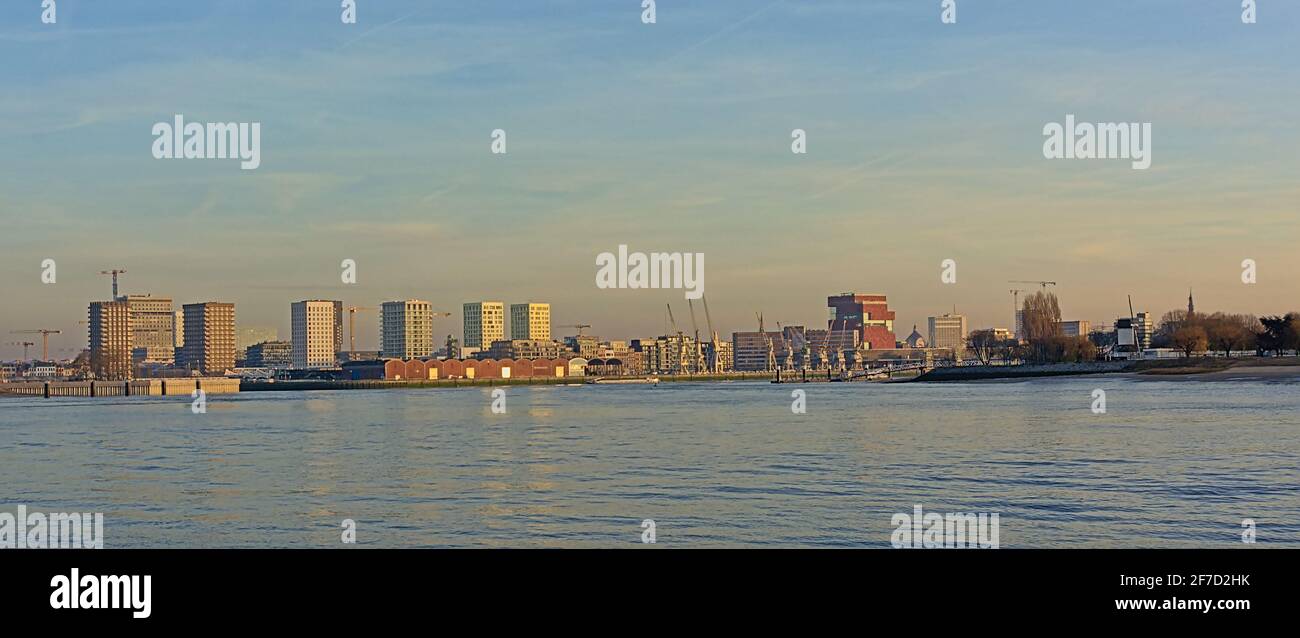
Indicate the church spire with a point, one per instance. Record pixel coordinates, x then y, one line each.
1191 307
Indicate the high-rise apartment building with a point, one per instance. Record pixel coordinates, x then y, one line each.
110 339
406 329
948 331
209 337
485 322
317 333
152 326
178 329
868 314
1143 328
530 321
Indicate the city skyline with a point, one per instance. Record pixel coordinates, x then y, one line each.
673 136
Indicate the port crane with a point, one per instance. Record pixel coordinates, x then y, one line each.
712 362
45 340
114 272
680 354
699 356
771 353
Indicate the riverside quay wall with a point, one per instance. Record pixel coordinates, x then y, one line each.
138 387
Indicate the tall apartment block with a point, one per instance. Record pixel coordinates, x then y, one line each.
867 314
317 333
948 331
485 322
152 328
406 329
209 337
530 321
110 339
178 329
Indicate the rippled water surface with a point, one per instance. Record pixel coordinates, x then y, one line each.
1171 463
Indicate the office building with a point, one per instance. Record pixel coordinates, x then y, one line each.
406 329
110 339
152 325
869 315
209 337
948 331
525 349
530 321
485 322
317 333
1074 328
270 354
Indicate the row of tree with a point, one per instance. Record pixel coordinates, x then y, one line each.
1190 333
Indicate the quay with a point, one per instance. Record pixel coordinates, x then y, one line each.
138 387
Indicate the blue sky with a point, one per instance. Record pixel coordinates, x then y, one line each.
924 144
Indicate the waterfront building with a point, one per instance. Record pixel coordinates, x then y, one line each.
867 314
525 349
1074 328
915 340
406 329
110 339
1144 329
152 325
948 331
530 321
1003 334
178 329
719 355
585 346
270 354
484 322
750 350
317 333
209 337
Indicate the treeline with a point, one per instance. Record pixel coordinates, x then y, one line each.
1189 333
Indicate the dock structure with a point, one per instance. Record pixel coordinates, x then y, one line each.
137 387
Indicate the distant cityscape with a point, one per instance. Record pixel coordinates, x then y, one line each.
140 336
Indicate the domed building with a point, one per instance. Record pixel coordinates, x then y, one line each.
914 340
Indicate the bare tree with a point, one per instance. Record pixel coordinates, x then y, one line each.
1190 339
1041 323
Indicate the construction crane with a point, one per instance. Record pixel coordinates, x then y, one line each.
579 326
1044 284
114 272
24 344
1015 311
352 324
45 340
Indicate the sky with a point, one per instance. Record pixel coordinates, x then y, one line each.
924 143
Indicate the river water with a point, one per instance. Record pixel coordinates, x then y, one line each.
1169 464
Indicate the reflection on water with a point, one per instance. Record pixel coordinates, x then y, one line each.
1170 464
